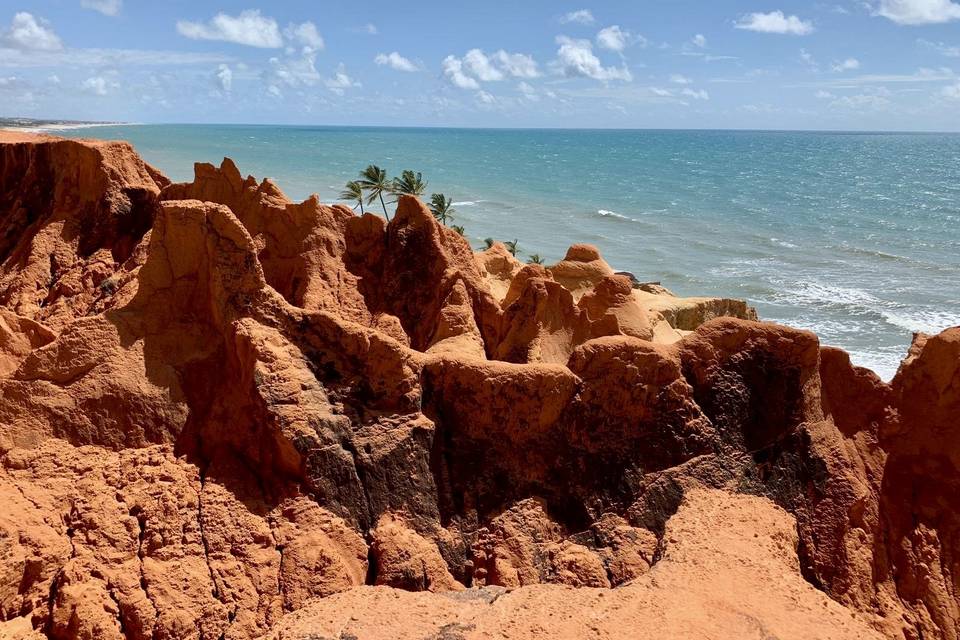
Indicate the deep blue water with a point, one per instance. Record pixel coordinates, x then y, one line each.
855 236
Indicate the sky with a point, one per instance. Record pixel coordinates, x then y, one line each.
745 64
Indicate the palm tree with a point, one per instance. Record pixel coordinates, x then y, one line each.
535 259
353 192
442 207
511 247
409 183
489 242
458 229
374 180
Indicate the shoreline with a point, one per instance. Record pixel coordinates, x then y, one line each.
45 128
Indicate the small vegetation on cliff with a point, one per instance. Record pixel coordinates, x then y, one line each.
535 258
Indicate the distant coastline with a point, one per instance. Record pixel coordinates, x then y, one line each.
31 125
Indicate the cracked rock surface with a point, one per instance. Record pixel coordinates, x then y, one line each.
228 415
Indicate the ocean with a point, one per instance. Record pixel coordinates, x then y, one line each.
855 236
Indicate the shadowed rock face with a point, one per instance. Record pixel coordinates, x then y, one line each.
275 402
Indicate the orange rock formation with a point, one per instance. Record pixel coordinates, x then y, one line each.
228 415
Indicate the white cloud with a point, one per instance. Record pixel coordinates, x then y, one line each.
679 79
861 101
850 64
249 28
453 69
696 95
98 85
395 61
699 40
663 93
485 98
824 95
224 78
914 12
528 91
951 91
28 33
479 65
293 70
476 67
616 39
106 7
518 65
575 58
340 82
581 16
86 58
941 48
774 22
305 34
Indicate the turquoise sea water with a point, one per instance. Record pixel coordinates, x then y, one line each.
855 236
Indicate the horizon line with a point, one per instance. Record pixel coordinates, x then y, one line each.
95 123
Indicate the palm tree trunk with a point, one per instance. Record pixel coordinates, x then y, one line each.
387 215
361 206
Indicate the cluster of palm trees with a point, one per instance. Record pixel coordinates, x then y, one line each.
373 183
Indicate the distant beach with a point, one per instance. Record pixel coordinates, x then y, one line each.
28 125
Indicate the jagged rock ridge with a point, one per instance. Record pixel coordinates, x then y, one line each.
219 406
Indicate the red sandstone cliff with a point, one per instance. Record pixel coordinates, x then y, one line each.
227 415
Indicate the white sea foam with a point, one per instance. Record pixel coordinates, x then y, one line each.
883 363
612 214
468 203
923 320
783 243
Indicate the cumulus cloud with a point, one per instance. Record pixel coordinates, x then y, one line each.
453 70
914 12
249 28
850 64
481 67
297 70
485 98
224 78
305 34
476 67
340 81
575 58
774 22
616 39
106 7
28 33
528 91
395 61
98 85
679 79
580 16
700 41
518 65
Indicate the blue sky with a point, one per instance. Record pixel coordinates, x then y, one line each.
873 64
